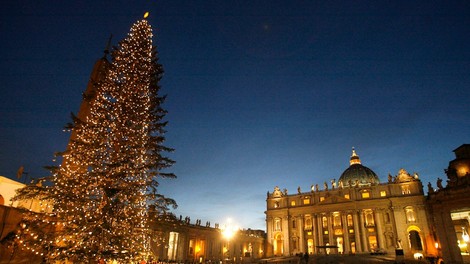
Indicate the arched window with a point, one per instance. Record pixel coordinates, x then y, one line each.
308 222
350 220
324 222
336 219
369 217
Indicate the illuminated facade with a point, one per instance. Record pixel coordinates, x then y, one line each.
357 214
180 241
449 209
173 240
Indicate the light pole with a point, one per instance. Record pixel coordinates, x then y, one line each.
228 231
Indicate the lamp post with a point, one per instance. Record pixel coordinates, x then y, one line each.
228 231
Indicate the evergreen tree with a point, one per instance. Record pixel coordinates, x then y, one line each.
97 203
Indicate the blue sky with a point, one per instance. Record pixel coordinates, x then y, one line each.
260 93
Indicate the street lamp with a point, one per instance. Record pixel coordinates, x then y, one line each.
465 235
228 231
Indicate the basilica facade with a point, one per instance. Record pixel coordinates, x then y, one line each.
358 214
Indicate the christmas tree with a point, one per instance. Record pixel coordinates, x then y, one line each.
97 204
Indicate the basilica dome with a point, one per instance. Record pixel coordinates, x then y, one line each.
357 174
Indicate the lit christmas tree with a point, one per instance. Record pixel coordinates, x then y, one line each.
96 205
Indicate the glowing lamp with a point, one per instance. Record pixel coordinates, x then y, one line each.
146 14
465 236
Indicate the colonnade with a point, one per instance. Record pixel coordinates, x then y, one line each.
355 235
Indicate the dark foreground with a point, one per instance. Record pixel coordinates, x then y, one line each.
341 259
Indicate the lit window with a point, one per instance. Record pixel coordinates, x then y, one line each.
369 217
276 204
324 221
346 196
307 201
373 242
383 193
365 195
191 246
405 189
308 223
292 203
336 219
322 199
410 214
350 220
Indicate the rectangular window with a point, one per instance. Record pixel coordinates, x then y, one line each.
172 245
373 242
292 203
307 201
277 225
347 196
322 199
405 189
191 247
365 195
383 193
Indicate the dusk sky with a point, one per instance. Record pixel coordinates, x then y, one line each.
260 93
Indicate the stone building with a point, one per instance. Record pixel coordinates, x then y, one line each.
173 240
449 209
356 214
177 240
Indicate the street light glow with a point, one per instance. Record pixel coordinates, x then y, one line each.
229 230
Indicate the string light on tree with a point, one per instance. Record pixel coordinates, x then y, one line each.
102 193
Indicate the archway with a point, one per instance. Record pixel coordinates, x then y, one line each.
278 248
414 238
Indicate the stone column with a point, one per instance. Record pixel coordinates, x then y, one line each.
301 228
315 232
357 232
286 235
444 227
365 242
331 231
344 222
380 232
320 231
